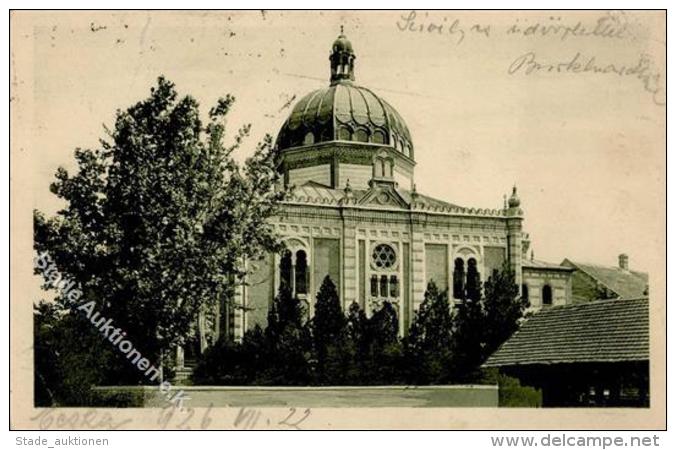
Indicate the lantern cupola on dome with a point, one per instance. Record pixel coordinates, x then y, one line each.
342 59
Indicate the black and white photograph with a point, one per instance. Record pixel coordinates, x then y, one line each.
337 219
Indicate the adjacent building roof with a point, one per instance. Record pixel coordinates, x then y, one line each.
625 283
598 331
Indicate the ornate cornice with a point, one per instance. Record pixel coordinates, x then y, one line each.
418 206
338 151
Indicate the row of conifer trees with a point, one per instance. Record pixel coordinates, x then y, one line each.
444 343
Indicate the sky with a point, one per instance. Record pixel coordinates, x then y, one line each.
569 107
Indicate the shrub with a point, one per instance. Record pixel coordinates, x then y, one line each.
224 363
116 398
69 357
512 394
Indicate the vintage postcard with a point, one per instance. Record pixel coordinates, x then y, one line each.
338 219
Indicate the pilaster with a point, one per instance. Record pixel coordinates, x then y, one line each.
514 246
417 264
349 264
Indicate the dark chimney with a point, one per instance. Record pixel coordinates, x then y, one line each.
623 261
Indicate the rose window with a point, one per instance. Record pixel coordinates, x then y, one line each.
383 256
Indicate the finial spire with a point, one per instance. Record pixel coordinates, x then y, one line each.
514 200
342 59
348 190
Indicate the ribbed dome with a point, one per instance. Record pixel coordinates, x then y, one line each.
345 112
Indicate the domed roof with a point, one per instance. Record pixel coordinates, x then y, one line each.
342 44
344 111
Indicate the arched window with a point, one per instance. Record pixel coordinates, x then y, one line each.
285 269
546 295
378 137
309 138
344 134
394 286
361 135
301 272
459 279
473 280
374 285
383 285
524 291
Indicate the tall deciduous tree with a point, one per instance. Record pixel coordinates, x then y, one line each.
158 219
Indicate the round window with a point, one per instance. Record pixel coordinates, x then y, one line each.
383 256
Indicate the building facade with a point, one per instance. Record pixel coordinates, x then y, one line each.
356 216
546 284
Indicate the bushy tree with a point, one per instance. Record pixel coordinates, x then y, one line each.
288 342
428 346
328 330
383 350
504 308
441 346
158 219
356 323
223 363
468 337
485 322
229 362
68 356
329 320
357 335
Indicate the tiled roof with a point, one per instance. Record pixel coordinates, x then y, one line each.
625 283
537 264
598 331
